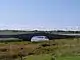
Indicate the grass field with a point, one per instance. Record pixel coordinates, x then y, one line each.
38 57
49 57
63 49
69 58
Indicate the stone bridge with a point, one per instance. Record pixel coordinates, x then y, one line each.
28 37
49 36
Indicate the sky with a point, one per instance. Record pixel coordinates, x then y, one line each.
39 14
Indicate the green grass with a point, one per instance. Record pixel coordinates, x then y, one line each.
49 57
69 58
38 57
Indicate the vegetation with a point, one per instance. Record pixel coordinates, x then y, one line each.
59 48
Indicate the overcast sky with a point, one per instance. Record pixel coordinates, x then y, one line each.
39 14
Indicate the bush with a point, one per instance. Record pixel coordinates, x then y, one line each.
44 45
